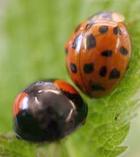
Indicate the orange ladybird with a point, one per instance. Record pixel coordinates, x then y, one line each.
98 53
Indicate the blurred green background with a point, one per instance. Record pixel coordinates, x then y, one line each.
32 37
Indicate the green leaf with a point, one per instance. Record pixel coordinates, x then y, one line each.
10 147
33 34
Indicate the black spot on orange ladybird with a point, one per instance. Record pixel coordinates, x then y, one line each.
99 50
48 111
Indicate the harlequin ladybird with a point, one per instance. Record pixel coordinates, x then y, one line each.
48 111
98 52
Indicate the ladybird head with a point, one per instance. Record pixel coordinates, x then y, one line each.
107 16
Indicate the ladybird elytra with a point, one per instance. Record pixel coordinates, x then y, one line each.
48 111
98 53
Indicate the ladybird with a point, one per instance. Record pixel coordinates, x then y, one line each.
98 53
48 111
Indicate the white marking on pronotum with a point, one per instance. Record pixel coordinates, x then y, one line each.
71 111
25 103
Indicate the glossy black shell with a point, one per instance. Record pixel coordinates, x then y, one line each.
48 113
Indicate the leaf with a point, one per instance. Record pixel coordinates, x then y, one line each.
33 35
13 148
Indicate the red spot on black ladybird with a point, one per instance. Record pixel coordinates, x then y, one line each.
64 86
18 102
